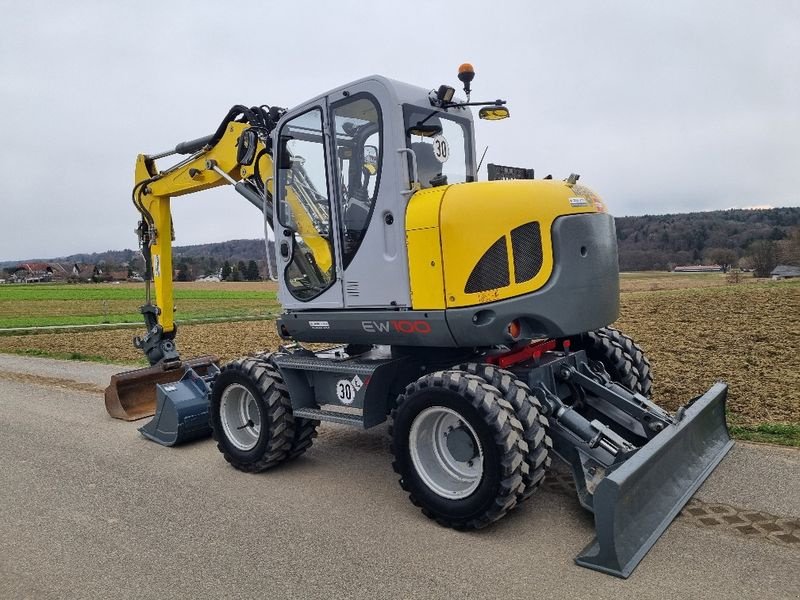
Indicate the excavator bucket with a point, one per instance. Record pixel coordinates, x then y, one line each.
181 409
131 395
636 503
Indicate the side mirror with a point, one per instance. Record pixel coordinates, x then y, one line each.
493 113
371 159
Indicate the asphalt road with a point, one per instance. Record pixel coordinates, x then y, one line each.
90 509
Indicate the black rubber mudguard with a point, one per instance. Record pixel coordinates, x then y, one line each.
636 503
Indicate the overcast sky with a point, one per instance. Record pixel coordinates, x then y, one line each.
660 106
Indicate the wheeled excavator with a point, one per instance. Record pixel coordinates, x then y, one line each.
473 315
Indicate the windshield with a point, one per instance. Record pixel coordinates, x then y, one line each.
442 143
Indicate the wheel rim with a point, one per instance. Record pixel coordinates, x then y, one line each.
444 467
240 417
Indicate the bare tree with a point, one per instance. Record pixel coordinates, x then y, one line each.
724 257
789 249
763 256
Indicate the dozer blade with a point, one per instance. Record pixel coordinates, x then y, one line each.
131 395
181 410
636 503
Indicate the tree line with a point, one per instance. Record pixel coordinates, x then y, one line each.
752 239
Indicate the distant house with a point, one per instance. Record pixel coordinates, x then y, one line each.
785 272
32 273
698 269
85 272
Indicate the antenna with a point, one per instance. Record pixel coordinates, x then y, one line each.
482 157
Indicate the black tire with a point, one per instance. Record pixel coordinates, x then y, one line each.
605 350
528 411
499 434
638 359
305 430
277 424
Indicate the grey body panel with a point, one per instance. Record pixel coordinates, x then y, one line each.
374 378
581 295
394 327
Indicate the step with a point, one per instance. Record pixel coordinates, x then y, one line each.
329 415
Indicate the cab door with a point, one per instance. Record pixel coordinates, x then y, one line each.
365 122
306 236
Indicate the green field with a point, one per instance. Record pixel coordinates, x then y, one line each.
41 305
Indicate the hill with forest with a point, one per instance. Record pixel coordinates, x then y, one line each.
647 242
659 242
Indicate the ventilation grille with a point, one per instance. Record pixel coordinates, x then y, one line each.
526 243
491 272
351 289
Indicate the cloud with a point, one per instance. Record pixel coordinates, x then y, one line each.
661 107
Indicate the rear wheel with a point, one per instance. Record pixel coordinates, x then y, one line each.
634 352
459 449
611 354
528 411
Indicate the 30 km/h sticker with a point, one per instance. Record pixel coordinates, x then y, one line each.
346 389
440 148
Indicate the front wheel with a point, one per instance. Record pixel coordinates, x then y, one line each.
459 449
251 416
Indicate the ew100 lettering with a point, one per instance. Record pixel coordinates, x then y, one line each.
400 326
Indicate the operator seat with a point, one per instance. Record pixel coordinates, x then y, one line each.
428 167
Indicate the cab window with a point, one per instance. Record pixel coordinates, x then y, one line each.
357 134
441 144
304 206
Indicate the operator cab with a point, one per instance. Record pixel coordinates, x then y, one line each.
347 163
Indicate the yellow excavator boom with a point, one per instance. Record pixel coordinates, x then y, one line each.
237 154
154 190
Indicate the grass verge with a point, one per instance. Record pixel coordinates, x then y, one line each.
72 356
784 434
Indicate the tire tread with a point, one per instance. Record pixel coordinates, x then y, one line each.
507 435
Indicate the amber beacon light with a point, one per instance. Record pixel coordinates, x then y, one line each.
466 73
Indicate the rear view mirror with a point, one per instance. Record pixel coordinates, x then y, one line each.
493 113
371 159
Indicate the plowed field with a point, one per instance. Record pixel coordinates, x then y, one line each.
746 334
